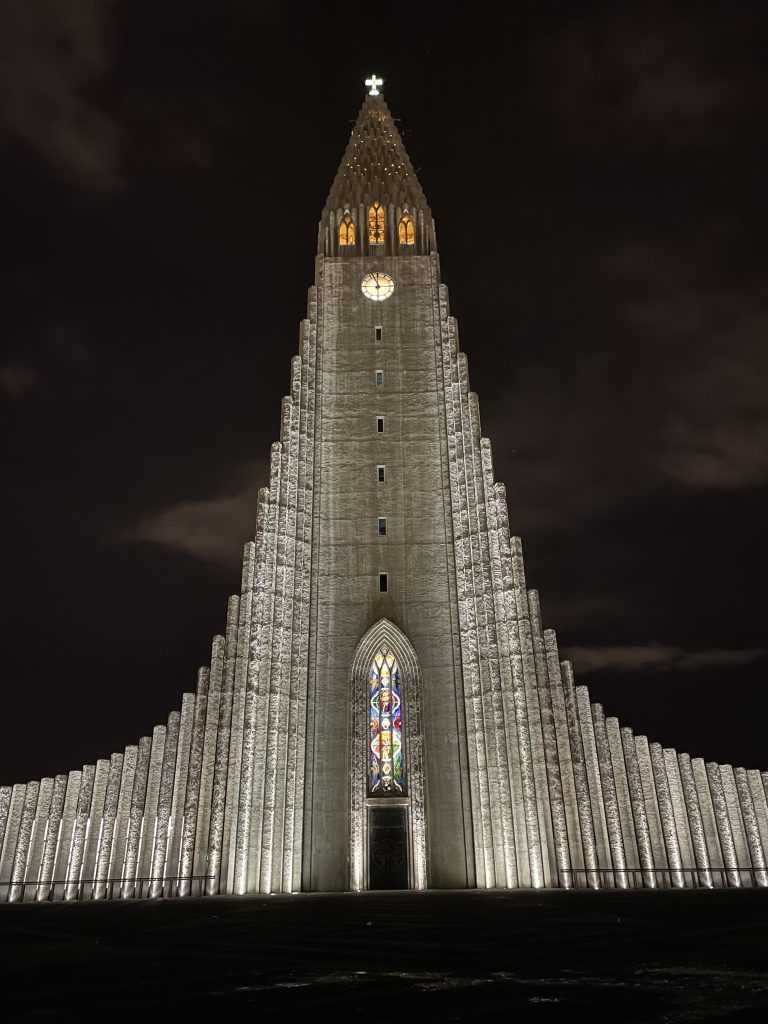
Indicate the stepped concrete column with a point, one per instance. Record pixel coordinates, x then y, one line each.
157 868
117 857
581 778
737 823
680 816
192 799
64 847
592 765
639 813
709 822
50 845
631 856
202 830
37 841
5 804
176 821
95 825
136 818
723 820
26 822
111 798
79 830
667 815
751 826
695 821
13 821
610 799
655 829
149 821
761 806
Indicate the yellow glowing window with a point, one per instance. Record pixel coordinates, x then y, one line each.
376 224
405 230
347 231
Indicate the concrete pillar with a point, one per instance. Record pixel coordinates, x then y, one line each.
565 761
681 817
580 777
64 847
709 823
95 827
79 831
149 823
737 824
109 817
595 787
720 807
202 831
157 868
122 821
11 838
51 842
695 821
667 815
26 822
751 827
5 804
192 799
632 859
176 822
136 819
639 813
610 799
37 841
761 806
645 764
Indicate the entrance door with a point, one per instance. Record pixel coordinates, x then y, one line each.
388 854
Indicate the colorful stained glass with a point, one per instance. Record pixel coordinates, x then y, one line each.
385 741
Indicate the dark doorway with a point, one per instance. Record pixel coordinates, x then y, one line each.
388 860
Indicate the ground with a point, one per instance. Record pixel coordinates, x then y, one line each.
447 956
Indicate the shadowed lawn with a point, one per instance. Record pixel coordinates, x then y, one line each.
447 956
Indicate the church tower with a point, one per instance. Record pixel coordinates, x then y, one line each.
384 708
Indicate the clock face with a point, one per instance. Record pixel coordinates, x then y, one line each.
377 287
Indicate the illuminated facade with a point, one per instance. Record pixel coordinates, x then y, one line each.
384 707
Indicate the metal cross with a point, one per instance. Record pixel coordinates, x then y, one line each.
373 83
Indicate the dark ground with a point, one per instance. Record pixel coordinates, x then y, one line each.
398 957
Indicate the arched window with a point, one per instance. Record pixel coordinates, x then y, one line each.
385 738
347 231
376 224
405 230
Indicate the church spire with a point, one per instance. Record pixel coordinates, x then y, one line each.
375 199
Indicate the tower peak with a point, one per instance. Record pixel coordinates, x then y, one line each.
373 84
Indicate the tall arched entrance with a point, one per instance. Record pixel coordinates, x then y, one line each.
387 826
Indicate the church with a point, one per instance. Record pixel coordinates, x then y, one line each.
384 708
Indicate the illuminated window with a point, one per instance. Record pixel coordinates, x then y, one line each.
385 731
379 378
383 582
381 526
405 231
380 424
381 473
376 224
347 231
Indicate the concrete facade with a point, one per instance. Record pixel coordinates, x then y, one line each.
515 778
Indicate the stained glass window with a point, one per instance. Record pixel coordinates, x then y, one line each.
347 231
376 224
385 739
405 230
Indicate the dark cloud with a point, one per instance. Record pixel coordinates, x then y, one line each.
652 657
18 382
53 59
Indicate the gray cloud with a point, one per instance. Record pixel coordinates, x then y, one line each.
642 657
210 529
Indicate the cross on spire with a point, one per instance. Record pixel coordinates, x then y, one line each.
373 84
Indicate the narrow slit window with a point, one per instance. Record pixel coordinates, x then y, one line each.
379 378
380 424
378 331
381 473
383 583
381 526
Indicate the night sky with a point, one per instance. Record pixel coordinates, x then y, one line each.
598 178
